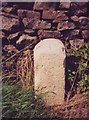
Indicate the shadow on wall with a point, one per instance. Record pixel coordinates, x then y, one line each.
70 68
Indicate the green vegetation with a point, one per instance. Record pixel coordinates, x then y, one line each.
24 103
20 103
79 77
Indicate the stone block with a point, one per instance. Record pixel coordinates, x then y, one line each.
75 18
42 25
49 71
85 34
64 5
76 43
55 15
28 13
9 24
36 24
44 6
65 25
48 34
61 16
49 14
84 22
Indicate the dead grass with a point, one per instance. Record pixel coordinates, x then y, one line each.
25 69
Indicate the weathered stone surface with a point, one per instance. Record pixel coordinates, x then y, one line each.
2 34
49 14
71 34
85 34
44 5
8 15
10 9
78 8
7 9
75 18
9 24
65 25
76 43
49 57
25 38
29 23
29 32
55 15
61 16
42 25
84 22
36 24
10 48
13 36
29 14
64 5
48 34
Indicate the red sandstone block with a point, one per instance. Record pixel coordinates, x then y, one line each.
29 14
44 6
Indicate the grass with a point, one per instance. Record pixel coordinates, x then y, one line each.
20 103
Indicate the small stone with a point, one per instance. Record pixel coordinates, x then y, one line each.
64 5
33 14
10 48
25 37
29 14
84 22
42 25
44 6
85 34
29 32
7 9
61 16
65 26
2 34
28 23
76 43
75 18
21 13
48 34
36 24
9 24
13 36
49 14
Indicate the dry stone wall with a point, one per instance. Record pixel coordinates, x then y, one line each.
26 24
65 21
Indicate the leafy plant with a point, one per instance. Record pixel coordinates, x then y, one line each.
79 77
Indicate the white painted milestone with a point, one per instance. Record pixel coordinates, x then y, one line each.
49 70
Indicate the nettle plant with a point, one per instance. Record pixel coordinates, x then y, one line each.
79 78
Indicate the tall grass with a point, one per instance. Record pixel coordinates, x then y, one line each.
20 103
